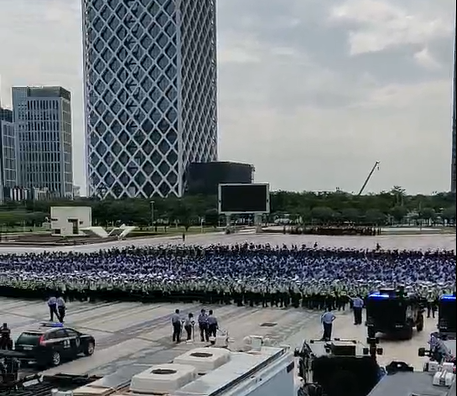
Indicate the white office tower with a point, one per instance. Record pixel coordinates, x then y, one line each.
150 93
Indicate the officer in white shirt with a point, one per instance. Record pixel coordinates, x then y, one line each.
327 322
189 326
357 306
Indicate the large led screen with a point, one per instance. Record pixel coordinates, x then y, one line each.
244 198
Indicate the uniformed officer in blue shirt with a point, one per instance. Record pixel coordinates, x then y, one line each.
203 326
212 324
176 323
327 322
357 306
52 304
61 308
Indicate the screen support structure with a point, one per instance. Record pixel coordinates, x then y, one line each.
228 224
258 223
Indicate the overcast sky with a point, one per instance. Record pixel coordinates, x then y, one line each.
312 92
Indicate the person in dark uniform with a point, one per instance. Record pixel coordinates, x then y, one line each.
52 304
212 324
357 306
176 323
61 308
5 337
327 322
203 326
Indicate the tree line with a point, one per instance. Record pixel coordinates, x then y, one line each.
394 206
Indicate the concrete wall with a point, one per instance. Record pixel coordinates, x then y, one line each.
65 220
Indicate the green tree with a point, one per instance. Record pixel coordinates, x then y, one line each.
322 214
428 214
12 218
351 215
375 217
448 214
399 213
321 207
184 213
35 219
399 194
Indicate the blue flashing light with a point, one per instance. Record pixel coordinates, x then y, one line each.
447 297
51 324
378 296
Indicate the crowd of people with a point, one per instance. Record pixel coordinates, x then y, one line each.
260 275
336 230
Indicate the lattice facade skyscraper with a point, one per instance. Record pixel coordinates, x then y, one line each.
454 113
150 93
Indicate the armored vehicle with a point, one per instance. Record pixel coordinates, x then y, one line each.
446 315
338 367
394 312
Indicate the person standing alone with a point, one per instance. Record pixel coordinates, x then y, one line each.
203 326
61 308
357 306
327 322
189 326
176 323
52 304
212 324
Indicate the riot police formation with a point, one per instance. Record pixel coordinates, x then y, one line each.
243 274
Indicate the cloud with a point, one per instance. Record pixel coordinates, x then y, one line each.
311 92
426 59
377 25
239 50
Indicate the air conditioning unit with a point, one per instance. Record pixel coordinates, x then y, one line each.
163 379
56 392
443 378
204 359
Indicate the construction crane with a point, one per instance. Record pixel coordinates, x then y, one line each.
375 166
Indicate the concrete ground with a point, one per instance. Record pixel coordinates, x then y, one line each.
407 242
131 335
140 334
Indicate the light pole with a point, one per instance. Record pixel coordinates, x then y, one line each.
151 203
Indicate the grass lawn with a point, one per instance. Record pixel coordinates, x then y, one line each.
170 231
22 230
144 231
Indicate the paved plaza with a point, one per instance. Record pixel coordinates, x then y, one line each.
401 242
140 334
135 335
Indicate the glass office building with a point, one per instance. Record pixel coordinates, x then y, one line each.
8 142
8 175
42 122
150 93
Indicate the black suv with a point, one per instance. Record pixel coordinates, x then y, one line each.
51 343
